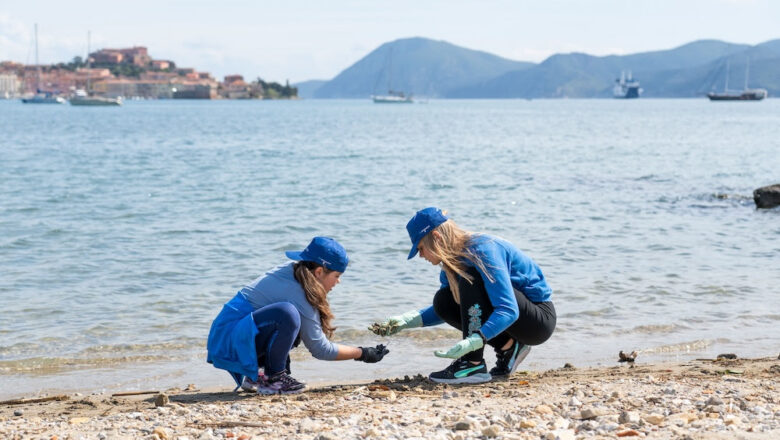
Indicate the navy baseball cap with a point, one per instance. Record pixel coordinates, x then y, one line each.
423 222
324 251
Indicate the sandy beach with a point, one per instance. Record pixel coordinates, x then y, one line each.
701 399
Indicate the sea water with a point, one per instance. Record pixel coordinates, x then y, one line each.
124 230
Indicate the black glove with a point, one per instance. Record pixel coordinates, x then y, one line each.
372 355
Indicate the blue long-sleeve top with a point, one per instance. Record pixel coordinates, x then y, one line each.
508 269
280 285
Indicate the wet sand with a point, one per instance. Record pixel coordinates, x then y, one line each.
702 399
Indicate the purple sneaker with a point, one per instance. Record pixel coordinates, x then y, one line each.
280 383
251 386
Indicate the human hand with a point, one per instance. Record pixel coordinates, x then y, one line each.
395 324
473 342
372 355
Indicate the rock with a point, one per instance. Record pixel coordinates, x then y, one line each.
564 434
371 432
543 409
726 356
462 425
713 401
767 196
574 402
654 419
731 420
161 400
78 420
161 433
327 436
527 424
18 413
628 433
207 435
492 431
590 413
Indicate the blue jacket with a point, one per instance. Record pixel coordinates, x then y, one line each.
231 343
509 269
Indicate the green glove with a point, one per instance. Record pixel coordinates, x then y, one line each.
473 342
395 324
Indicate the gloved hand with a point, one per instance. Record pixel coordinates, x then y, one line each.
395 324
473 342
372 355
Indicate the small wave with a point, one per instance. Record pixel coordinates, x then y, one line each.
53 365
653 328
682 347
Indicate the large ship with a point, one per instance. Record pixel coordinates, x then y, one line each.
626 86
746 94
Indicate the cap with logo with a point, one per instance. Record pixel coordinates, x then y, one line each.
324 251
423 222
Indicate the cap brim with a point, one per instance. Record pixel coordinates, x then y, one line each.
413 252
294 255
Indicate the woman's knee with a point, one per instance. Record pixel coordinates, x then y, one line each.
443 302
287 315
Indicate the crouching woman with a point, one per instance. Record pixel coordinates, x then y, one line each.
252 336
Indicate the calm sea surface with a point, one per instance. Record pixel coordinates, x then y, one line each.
124 230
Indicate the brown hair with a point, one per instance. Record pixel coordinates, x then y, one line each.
315 293
452 249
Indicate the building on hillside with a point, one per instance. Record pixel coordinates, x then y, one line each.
9 85
106 56
161 64
138 56
195 90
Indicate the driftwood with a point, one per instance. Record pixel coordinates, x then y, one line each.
38 400
133 393
232 424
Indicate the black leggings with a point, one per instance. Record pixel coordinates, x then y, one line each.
535 323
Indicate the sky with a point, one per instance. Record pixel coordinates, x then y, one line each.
299 40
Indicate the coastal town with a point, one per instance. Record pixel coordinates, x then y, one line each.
130 73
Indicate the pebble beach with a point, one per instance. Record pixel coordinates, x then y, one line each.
700 399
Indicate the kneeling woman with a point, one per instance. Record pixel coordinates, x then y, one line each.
266 318
490 290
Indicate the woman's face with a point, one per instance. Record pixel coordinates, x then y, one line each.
424 253
327 279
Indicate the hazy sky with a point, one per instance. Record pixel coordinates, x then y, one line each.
300 40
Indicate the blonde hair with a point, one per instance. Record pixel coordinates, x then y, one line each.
452 249
315 293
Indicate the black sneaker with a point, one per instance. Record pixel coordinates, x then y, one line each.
508 360
462 371
280 383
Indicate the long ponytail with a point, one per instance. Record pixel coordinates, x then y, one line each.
453 248
315 293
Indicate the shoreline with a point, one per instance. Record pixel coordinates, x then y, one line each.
698 399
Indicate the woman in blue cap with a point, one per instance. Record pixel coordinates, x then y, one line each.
267 317
490 290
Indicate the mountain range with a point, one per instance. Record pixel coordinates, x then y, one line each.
438 69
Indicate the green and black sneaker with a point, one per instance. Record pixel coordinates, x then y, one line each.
462 371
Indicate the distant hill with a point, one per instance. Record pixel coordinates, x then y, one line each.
438 69
306 89
419 66
580 75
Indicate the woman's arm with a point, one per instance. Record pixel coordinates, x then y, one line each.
347 352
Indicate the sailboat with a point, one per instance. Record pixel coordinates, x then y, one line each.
41 97
393 96
745 95
82 97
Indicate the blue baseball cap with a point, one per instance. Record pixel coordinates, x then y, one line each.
324 251
423 222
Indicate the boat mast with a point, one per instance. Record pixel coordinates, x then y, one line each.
728 66
89 72
37 65
747 73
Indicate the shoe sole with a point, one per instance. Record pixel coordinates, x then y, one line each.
474 378
267 392
520 358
